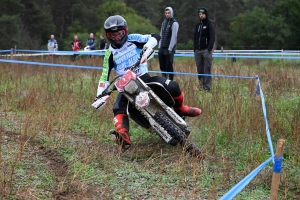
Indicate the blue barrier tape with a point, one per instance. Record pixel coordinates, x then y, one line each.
244 182
5 51
257 89
212 75
278 164
64 52
233 56
215 55
50 64
295 53
264 57
100 68
266 119
259 53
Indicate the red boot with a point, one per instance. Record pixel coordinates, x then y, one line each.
121 123
182 109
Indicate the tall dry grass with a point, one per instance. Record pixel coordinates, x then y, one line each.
54 145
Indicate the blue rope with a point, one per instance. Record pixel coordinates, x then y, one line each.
284 55
266 119
50 64
100 68
5 51
64 52
244 182
213 75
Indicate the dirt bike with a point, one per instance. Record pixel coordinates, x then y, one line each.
150 106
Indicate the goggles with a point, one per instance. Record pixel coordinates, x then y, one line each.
116 35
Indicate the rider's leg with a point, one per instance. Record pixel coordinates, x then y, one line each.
182 109
178 96
121 121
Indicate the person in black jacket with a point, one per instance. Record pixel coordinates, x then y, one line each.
204 39
102 44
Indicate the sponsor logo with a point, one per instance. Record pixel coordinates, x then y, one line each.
102 84
167 82
115 121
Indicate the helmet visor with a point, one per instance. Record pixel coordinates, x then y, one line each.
116 35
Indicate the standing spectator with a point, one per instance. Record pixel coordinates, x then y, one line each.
91 42
52 44
167 44
204 39
76 46
103 44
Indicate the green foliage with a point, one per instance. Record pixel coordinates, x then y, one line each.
8 33
11 7
185 46
75 29
136 23
270 24
149 9
288 11
257 28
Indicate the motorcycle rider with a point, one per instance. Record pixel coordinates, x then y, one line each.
124 51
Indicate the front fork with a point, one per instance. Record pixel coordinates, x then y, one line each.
177 119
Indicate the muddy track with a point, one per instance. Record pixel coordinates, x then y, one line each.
53 159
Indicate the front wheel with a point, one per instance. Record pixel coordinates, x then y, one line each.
178 135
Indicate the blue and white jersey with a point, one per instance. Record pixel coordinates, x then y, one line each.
125 57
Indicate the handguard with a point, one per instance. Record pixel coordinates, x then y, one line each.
100 102
146 54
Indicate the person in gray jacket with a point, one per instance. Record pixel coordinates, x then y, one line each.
167 44
52 44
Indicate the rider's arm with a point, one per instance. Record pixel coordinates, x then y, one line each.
108 64
173 41
153 41
140 40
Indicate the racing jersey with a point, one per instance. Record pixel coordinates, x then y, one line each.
76 45
123 58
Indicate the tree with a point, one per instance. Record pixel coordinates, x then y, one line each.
9 31
11 7
258 29
150 9
288 12
77 29
136 23
37 22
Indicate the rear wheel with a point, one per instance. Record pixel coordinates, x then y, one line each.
178 135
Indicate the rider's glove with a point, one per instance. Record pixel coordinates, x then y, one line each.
146 54
101 98
101 87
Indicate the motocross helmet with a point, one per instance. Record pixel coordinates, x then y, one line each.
116 30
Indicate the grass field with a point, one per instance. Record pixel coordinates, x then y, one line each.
54 145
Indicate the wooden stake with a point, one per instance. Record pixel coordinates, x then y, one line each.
276 176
